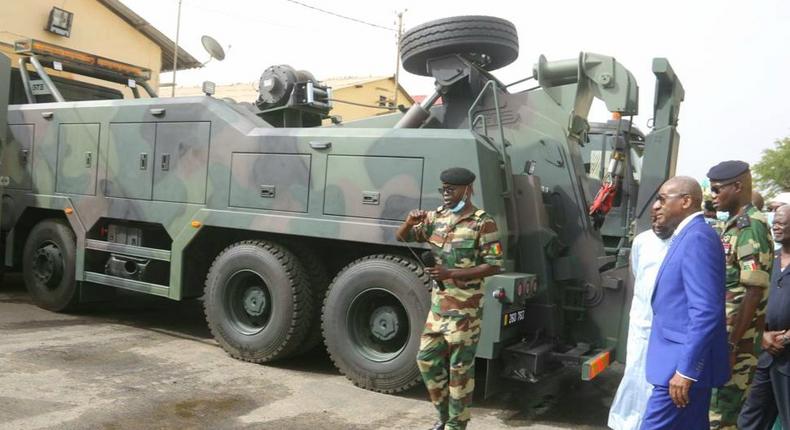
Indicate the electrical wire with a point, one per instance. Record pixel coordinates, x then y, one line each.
342 16
362 104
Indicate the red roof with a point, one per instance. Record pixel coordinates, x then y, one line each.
419 99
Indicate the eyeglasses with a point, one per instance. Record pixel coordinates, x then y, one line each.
446 190
662 198
715 189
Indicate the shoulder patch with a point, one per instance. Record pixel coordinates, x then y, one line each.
743 221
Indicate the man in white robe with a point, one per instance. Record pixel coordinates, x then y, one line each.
647 253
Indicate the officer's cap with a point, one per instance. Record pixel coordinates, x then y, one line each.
457 176
727 170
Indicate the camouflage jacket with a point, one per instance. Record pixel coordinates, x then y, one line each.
460 242
748 249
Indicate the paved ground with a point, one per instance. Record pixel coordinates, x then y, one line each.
147 363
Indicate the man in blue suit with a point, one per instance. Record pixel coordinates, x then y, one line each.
687 352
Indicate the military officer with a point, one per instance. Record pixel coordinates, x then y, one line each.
748 249
466 246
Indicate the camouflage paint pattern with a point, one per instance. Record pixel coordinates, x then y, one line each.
748 248
214 148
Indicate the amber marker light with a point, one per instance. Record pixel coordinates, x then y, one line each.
595 365
196 224
68 211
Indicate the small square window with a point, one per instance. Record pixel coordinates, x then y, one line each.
60 22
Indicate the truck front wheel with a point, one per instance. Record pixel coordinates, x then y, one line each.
373 315
257 301
48 265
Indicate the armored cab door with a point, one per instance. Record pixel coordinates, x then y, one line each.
130 158
181 162
78 146
19 156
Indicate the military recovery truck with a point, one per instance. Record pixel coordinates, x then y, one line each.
285 227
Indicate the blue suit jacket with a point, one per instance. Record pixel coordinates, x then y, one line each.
689 333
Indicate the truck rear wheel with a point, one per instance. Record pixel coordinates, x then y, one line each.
373 315
257 301
490 42
49 265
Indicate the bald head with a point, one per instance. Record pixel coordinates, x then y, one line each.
781 226
686 185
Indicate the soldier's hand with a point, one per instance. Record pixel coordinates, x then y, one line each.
773 342
438 272
415 217
679 390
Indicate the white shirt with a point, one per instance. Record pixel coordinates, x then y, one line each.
629 404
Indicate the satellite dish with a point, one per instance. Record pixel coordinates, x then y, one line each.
213 47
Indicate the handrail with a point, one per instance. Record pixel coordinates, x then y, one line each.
473 123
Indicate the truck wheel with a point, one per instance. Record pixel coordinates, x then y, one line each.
373 315
490 42
318 280
49 265
256 301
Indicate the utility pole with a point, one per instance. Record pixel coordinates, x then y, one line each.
397 55
175 51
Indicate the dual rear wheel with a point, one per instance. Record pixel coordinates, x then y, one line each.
262 303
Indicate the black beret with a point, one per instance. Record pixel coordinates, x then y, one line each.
727 170
457 176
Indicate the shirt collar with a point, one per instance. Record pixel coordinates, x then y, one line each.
684 223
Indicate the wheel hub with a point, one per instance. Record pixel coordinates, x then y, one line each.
48 265
384 322
254 301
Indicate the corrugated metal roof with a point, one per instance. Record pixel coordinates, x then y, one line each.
185 60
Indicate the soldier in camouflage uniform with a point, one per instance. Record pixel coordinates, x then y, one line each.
748 249
466 245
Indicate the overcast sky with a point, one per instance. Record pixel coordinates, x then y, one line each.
733 57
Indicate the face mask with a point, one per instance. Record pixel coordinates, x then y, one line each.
460 204
722 216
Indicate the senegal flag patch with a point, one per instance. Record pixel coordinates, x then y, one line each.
496 248
749 266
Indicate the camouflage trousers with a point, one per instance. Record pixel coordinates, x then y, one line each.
726 401
447 363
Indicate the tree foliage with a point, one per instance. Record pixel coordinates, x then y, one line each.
772 172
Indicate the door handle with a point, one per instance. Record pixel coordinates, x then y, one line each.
165 162
88 159
143 161
320 145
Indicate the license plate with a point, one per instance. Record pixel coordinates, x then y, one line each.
514 317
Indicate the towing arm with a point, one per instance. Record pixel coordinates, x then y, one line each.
661 145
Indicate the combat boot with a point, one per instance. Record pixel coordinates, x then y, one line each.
438 425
